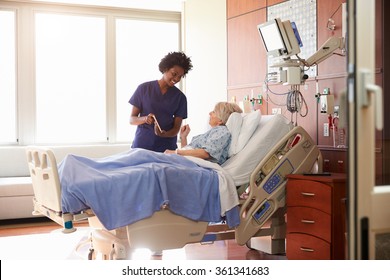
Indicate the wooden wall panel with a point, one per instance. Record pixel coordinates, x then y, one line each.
235 8
325 8
246 54
274 2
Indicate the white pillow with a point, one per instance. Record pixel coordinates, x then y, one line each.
249 124
271 129
242 127
234 124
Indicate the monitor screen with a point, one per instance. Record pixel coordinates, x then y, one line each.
281 39
272 38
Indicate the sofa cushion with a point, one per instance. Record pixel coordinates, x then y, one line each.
15 186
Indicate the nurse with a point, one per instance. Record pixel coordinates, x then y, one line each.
158 107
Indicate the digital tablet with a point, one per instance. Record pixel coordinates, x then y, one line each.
156 122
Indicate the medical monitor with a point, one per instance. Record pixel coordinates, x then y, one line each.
280 38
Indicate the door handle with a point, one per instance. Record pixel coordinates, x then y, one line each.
376 92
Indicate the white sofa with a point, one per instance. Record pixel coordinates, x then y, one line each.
16 192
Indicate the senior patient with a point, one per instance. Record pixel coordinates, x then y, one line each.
214 144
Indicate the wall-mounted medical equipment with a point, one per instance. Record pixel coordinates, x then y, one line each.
282 42
327 102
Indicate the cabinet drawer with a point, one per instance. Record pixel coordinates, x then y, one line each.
309 193
306 247
310 221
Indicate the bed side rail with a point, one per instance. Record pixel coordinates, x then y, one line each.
295 153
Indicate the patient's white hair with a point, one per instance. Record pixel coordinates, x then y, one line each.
224 109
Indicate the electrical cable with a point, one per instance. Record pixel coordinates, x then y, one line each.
295 102
330 24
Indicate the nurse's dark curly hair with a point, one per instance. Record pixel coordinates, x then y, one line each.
175 58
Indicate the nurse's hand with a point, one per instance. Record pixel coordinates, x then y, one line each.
149 119
159 132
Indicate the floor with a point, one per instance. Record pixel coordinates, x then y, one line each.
42 239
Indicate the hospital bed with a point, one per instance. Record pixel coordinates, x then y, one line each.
274 149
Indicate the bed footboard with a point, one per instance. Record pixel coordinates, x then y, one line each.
295 153
42 165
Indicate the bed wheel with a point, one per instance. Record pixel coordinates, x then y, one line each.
91 254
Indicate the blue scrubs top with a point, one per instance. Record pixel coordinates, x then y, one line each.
216 142
149 99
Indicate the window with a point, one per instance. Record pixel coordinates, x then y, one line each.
70 79
73 69
7 78
138 56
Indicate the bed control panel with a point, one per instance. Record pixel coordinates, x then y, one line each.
263 212
278 176
272 183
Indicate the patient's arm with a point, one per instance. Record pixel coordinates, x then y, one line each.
199 153
184 131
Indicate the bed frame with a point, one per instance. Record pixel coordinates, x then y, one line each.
262 206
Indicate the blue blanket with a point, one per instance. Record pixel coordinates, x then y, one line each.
124 188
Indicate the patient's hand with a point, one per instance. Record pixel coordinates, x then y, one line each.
184 131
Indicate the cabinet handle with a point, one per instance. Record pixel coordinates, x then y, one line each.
307 194
307 221
307 249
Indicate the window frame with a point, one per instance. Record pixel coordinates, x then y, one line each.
25 59
15 75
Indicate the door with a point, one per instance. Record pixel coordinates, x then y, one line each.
368 205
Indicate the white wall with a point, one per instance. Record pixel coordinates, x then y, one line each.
204 31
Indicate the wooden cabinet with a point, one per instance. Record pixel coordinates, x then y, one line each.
334 159
316 217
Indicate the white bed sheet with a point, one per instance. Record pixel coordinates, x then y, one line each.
270 130
227 188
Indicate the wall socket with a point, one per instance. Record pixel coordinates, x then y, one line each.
326 129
